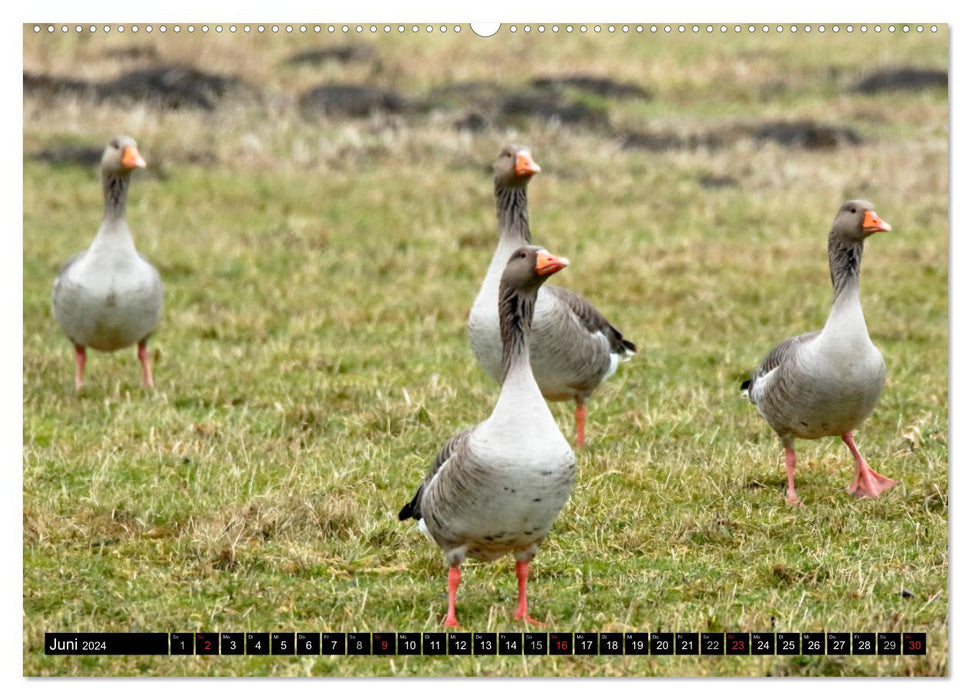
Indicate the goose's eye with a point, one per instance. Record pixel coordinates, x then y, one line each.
114 144
523 254
853 210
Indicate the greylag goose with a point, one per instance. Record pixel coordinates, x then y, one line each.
827 382
497 488
109 296
574 348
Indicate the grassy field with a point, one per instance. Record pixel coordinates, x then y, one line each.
313 356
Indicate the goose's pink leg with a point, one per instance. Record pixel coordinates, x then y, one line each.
522 574
868 483
146 365
791 498
454 578
581 417
80 358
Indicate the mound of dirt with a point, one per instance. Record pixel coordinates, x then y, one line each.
488 103
134 53
605 87
472 121
798 134
343 99
39 84
805 134
171 87
166 86
85 156
344 53
902 79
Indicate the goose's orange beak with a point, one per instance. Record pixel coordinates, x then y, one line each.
525 165
873 223
547 264
131 158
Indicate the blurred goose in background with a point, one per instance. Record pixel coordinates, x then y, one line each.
497 488
109 296
573 348
827 382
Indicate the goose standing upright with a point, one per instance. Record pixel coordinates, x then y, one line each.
573 348
497 488
109 296
827 382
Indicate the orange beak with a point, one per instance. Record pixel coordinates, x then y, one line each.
547 264
525 165
873 223
131 158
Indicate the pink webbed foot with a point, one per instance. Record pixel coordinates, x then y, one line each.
867 483
522 575
870 484
521 615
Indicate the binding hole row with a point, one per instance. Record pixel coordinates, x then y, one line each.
512 29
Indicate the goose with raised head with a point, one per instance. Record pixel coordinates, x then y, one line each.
827 382
573 347
496 488
109 296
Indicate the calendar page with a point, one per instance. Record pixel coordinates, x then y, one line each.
523 349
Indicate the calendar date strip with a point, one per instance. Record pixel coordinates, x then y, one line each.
486 643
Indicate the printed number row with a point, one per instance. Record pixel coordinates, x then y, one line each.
490 643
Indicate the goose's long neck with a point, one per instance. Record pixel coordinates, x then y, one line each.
113 237
845 257
515 318
513 215
115 188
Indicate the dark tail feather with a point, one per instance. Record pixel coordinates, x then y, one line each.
412 509
746 384
619 344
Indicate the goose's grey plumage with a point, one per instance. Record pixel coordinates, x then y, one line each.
497 488
574 348
827 382
109 296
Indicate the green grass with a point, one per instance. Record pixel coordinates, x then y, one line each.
312 359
